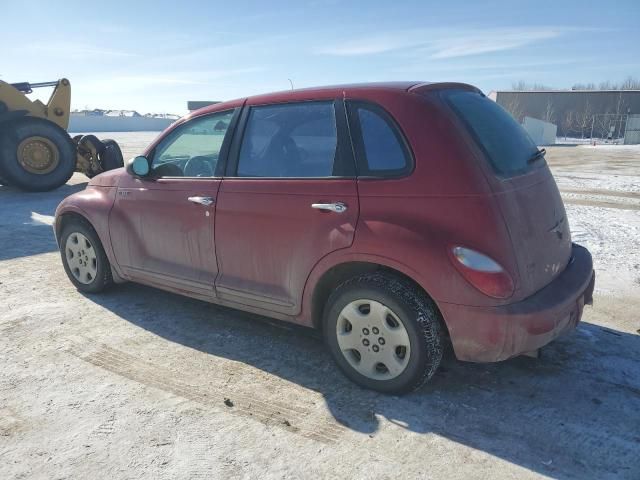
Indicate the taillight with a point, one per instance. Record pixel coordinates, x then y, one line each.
483 272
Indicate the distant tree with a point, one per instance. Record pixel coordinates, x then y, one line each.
567 122
549 112
601 125
630 83
583 119
514 107
621 105
584 86
519 85
522 85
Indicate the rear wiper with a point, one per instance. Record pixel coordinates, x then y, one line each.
537 156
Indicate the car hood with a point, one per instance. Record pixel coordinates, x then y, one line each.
108 179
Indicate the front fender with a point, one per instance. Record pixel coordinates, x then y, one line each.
94 205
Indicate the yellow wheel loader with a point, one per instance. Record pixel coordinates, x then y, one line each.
36 152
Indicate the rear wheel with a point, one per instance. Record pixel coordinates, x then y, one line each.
36 154
383 333
84 258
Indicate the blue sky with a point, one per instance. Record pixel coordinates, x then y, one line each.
153 56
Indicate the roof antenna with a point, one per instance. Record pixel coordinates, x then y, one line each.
290 83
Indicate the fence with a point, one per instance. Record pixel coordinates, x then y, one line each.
632 130
609 127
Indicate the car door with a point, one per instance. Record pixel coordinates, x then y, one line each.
289 199
162 227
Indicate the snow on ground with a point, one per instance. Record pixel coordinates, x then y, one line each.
600 187
613 184
612 238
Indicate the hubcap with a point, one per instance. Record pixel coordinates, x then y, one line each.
81 258
373 339
38 155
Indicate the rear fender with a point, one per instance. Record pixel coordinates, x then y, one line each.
341 257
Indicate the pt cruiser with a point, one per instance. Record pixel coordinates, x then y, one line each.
394 217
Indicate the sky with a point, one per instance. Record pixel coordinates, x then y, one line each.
154 56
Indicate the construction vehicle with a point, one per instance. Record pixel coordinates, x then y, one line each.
36 152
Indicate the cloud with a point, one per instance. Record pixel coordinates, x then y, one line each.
441 44
131 83
476 44
74 50
371 45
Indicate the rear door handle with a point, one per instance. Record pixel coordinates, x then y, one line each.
206 201
337 207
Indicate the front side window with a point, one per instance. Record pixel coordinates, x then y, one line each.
380 147
295 140
192 150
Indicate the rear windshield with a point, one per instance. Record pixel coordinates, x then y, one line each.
506 144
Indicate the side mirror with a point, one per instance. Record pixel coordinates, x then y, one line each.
138 166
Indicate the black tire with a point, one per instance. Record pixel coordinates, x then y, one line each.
418 314
111 157
15 133
102 278
3 178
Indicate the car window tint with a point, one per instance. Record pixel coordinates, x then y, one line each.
192 149
507 145
293 140
382 148
379 145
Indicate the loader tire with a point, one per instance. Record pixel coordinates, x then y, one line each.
36 155
3 178
111 156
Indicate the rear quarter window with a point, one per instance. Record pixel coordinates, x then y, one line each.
381 150
505 143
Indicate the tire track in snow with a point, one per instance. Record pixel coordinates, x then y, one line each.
293 418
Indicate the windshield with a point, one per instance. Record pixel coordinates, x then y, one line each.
506 144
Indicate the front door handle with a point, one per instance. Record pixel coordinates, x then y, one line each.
206 201
337 207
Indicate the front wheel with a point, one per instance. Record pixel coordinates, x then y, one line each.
384 333
84 258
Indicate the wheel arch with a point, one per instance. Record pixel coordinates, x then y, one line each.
325 278
64 218
69 215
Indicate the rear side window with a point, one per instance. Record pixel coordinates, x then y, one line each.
380 148
506 144
295 140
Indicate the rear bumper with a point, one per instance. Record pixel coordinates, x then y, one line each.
491 334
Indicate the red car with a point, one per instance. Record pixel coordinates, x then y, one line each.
394 217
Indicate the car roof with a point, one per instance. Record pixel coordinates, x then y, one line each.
329 91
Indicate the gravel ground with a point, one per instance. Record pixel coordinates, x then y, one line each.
139 383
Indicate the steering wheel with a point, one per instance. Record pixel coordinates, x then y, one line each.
198 166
